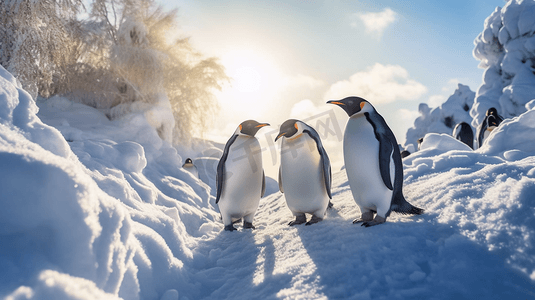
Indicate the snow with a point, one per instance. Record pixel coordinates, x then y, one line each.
441 119
100 209
506 49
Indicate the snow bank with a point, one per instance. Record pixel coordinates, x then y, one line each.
506 48
99 209
441 119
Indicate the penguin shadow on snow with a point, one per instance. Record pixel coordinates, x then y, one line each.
420 259
237 263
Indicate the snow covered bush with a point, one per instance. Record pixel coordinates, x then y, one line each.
34 38
442 119
506 49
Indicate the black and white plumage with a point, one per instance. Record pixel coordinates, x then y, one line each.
305 172
483 128
373 163
240 176
463 132
190 167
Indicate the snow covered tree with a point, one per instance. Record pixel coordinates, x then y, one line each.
148 62
34 38
506 49
441 119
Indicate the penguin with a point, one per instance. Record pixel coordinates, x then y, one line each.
373 163
482 128
405 153
492 123
305 172
240 177
420 141
190 167
463 132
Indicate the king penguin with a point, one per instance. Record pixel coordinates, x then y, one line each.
305 172
463 132
190 167
240 177
373 163
482 131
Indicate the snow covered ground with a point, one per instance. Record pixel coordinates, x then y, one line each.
99 209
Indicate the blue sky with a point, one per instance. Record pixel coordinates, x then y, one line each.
396 54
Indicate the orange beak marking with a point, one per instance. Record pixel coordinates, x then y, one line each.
336 102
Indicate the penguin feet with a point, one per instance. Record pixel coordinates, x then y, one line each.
229 228
378 220
365 217
313 220
248 225
330 205
298 220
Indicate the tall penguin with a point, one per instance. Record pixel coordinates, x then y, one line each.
305 172
463 132
483 127
240 176
373 163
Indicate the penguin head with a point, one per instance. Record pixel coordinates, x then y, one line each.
492 111
353 105
188 161
250 127
492 123
290 128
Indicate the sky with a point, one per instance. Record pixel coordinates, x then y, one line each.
287 58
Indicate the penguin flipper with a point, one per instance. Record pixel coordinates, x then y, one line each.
280 181
386 146
263 184
221 168
481 132
325 161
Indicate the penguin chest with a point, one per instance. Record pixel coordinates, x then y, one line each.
302 176
361 157
242 185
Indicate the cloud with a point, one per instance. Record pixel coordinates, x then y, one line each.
376 22
408 115
378 84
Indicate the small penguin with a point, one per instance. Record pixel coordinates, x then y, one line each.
305 172
405 153
482 128
420 141
240 177
463 132
492 123
190 167
373 163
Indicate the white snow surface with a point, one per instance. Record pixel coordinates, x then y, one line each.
99 209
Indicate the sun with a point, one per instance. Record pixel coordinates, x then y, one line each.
254 79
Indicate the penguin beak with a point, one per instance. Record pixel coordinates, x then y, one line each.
280 135
335 102
262 125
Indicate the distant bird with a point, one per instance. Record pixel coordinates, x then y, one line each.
463 132
420 141
405 153
190 167
305 172
482 128
373 163
240 177
492 123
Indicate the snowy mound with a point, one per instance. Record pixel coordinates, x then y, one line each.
513 139
444 118
113 217
442 142
506 48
